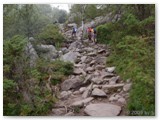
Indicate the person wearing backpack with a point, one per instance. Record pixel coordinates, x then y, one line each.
94 35
74 32
89 32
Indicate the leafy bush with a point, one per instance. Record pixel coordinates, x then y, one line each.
134 58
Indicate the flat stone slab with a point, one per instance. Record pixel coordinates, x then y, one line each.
82 102
102 109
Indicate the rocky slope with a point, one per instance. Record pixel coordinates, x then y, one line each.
94 89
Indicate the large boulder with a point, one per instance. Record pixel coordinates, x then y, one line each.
70 57
71 83
102 109
47 51
31 53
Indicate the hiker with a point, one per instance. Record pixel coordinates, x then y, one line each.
89 33
94 34
74 32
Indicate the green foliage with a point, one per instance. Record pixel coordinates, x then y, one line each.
133 54
57 69
50 35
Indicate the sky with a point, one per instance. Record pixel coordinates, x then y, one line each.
61 6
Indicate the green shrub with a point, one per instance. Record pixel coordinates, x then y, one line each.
133 54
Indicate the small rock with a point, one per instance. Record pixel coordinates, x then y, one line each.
59 111
76 92
87 92
113 80
77 71
110 69
102 109
71 83
92 54
65 94
70 114
82 89
106 74
98 92
113 98
122 100
89 69
100 67
97 80
92 62
82 102
83 58
101 51
127 87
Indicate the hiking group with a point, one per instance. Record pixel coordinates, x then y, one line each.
91 32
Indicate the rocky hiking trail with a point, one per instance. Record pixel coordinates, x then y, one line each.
94 89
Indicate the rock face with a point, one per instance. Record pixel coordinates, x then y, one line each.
102 109
70 57
31 53
47 51
71 83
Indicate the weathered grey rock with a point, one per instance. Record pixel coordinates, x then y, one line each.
83 58
113 80
122 100
65 94
71 83
75 45
97 80
112 98
102 109
82 89
70 56
88 91
96 73
101 51
90 69
92 62
70 114
101 60
87 78
127 87
77 71
76 92
31 53
99 67
92 54
88 49
106 74
98 92
113 86
81 103
110 69
64 50
59 111
47 51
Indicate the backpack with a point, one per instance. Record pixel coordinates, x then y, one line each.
94 30
89 30
74 29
